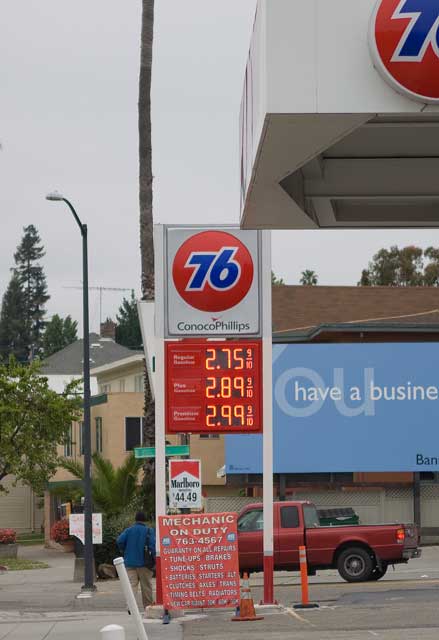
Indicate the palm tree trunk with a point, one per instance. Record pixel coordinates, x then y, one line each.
146 221
145 151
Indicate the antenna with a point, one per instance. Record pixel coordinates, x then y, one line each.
101 289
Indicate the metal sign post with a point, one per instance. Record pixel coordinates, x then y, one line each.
267 339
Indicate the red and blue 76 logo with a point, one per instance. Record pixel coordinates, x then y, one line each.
404 40
213 271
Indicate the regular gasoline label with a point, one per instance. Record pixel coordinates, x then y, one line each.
199 560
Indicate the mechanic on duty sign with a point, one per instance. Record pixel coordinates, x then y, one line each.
199 560
211 282
185 484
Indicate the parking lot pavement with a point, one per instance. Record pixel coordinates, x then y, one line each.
42 604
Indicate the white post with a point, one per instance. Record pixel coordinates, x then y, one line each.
130 597
267 347
112 632
160 436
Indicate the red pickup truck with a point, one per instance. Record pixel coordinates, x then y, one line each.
358 552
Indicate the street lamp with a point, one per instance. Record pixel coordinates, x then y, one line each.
88 507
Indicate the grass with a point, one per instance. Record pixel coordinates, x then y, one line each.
28 539
20 564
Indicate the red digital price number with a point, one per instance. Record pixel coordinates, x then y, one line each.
213 387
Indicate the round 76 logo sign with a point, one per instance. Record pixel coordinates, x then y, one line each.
404 42
213 271
213 281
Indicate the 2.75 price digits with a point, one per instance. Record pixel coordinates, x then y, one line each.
229 358
226 415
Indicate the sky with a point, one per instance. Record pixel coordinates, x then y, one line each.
68 121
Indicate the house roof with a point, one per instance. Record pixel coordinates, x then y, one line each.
302 310
70 361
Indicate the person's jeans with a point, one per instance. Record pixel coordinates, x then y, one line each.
144 576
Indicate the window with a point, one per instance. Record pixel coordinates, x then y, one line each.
209 436
251 521
289 517
81 439
68 445
98 422
311 516
138 384
122 385
105 388
133 433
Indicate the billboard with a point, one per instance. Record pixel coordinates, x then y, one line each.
349 407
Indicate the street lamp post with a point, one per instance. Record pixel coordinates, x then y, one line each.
88 507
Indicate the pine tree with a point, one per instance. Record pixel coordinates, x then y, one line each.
13 335
58 334
33 282
128 327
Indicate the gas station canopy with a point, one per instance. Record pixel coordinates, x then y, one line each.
333 134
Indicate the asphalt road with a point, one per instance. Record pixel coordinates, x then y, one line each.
402 605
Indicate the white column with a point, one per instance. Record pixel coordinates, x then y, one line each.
267 339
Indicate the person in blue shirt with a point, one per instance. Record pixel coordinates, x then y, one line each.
132 543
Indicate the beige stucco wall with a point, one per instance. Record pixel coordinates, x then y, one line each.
20 509
121 379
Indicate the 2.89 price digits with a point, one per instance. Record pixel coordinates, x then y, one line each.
227 387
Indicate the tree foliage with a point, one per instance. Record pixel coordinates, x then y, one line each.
275 281
112 489
32 280
309 278
13 323
33 421
59 333
406 267
128 326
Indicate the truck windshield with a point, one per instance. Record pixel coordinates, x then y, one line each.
310 516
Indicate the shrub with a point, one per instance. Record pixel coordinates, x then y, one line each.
8 536
60 531
112 527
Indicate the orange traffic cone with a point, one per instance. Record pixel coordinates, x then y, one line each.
246 608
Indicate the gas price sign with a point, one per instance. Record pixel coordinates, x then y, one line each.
214 387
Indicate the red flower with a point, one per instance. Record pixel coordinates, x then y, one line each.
8 536
60 531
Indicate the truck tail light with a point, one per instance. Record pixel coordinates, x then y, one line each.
400 535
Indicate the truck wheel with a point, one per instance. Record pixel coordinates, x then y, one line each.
378 573
355 565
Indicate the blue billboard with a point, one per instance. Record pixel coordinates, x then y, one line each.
347 408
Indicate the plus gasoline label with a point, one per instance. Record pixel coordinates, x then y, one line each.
404 41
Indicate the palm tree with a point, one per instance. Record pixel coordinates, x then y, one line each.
309 278
146 217
112 489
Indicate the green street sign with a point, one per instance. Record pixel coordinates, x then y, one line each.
149 452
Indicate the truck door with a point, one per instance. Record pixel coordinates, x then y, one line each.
250 540
288 538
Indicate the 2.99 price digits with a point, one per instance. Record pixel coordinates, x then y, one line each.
227 415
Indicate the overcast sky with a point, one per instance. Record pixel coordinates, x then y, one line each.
68 120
